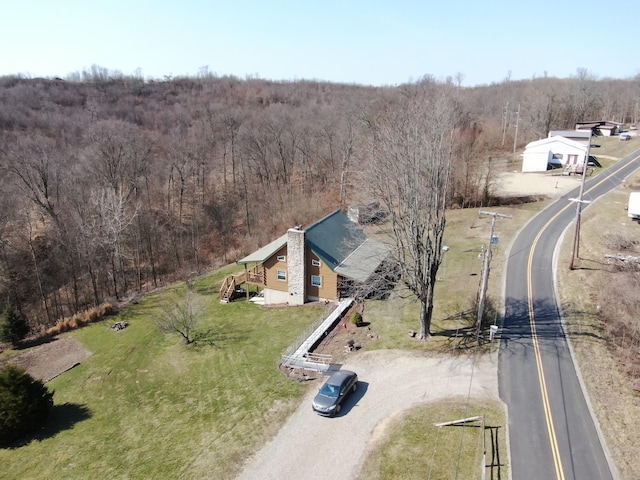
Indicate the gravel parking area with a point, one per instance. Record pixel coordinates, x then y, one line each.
533 183
313 447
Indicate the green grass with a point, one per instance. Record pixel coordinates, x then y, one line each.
414 448
145 405
458 284
612 147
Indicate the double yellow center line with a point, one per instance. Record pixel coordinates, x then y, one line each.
557 460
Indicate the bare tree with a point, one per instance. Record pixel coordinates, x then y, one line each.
118 156
542 108
232 123
347 152
585 96
412 166
33 164
114 215
181 315
36 267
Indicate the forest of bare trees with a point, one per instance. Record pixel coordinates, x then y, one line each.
114 185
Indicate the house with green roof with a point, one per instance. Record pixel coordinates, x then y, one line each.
315 263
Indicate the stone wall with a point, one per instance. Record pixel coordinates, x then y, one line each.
296 266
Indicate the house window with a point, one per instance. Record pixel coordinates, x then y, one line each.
557 156
316 280
282 275
572 159
315 263
282 258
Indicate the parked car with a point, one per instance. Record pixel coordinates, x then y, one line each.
329 399
625 136
633 127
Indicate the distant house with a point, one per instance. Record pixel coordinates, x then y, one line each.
605 128
580 136
315 263
553 152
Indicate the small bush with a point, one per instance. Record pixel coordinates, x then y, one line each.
13 327
356 319
24 404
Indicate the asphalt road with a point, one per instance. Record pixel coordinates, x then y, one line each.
551 430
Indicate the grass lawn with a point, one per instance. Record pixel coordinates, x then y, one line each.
458 285
145 405
417 449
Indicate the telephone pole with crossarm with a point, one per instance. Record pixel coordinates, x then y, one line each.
485 269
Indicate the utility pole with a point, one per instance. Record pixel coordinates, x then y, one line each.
515 137
485 269
579 201
505 122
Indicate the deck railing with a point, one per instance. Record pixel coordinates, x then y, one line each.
255 276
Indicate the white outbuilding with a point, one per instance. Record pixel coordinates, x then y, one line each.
634 205
553 152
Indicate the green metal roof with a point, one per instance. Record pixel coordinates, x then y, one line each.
334 238
339 243
344 247
265 252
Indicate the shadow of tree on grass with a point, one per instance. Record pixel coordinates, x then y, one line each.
63 417
60 418
215 337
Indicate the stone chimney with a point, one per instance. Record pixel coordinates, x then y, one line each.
296 265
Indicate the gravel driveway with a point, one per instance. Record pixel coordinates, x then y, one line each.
308 445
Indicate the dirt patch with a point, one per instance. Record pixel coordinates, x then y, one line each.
549 184
346 338
51 359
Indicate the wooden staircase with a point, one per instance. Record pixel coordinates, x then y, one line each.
225 296
228 288
230 284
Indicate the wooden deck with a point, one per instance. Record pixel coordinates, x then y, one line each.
231 284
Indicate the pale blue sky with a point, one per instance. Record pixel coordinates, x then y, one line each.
352 41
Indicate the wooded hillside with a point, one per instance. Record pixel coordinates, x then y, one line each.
114 185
